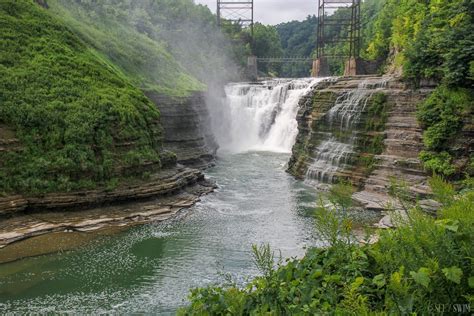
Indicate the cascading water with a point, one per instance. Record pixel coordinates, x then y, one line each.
261 116
335 153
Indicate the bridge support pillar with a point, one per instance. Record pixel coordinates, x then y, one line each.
353 67
252 70
320 67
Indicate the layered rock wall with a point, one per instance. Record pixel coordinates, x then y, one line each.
384 142
187 128
186 132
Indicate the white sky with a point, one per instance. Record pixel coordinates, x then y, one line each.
276 11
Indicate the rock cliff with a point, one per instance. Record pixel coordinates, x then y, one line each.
186 133
186 126
363 129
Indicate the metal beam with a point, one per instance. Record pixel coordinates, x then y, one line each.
351 23
239 12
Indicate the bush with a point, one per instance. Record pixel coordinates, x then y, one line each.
442 117
438 163
423 266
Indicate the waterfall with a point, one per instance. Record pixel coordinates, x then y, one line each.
261 116
336 149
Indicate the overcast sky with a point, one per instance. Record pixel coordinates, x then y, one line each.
276 11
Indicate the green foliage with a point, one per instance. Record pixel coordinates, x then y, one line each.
428 39
125 34
443 192
267 44
294 37
69 107
442 118
441 115
438 163
424 263
264 259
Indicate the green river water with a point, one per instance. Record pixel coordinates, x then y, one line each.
151 268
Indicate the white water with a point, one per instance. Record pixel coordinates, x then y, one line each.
335 153
261 116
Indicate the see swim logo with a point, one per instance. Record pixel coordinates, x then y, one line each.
450 308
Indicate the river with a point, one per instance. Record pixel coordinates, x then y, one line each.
151 268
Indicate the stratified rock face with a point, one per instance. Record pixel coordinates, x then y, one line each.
157 200
165 182
187 129
363 129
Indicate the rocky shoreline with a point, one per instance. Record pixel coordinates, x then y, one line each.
164 195
187 133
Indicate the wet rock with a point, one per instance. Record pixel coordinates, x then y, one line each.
372 171
187 128
158 208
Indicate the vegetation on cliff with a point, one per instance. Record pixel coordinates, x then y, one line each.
124 34
433 40
423 267
79 120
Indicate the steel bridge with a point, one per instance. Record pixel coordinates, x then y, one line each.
241 12
236 12
284 59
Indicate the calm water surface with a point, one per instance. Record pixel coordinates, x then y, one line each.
151 268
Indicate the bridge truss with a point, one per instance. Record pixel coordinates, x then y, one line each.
350 20
284 60
236 11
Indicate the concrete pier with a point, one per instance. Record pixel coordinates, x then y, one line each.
320 67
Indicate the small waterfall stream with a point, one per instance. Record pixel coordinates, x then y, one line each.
261 116
335 152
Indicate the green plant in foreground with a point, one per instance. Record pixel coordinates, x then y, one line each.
422 266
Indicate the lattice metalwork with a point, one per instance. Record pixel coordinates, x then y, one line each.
350 21
236 11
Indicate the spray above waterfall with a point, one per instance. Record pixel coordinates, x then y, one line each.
260 116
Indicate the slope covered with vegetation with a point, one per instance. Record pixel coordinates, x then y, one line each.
77 117
433 40
170 47
111 27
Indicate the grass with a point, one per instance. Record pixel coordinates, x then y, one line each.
71 109
145 61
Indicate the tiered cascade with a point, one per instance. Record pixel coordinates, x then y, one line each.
336 148
261 116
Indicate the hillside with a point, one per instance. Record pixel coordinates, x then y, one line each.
168 47
69 119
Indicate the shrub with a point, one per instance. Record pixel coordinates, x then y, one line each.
438 163
442 117
424 265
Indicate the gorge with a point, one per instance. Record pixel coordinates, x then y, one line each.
158 158
259 124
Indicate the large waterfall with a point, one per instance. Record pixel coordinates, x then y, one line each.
261 116
336 149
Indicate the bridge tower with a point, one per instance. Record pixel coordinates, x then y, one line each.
350 21
236 11
239 12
